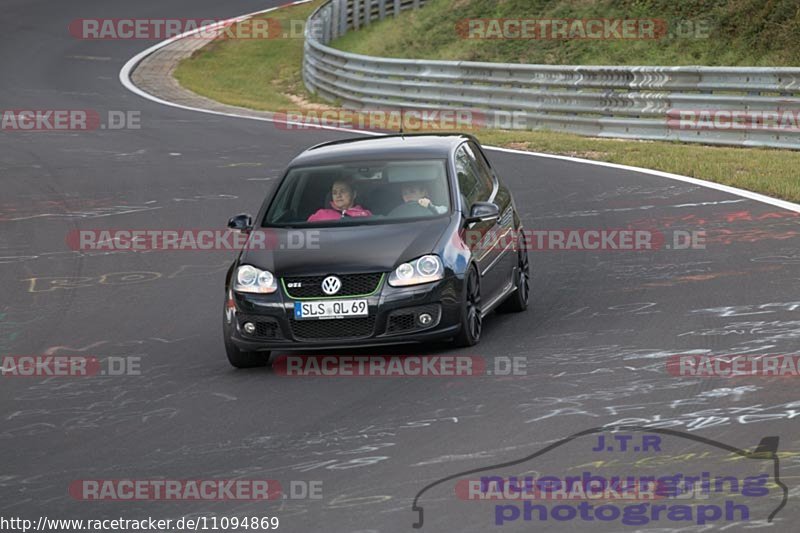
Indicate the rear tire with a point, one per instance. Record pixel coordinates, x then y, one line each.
517 301
242 359
471 319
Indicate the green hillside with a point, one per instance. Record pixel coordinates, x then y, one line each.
696 32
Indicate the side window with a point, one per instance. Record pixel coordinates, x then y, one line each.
483 165
468 180
485 181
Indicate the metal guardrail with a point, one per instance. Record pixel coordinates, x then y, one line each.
743 106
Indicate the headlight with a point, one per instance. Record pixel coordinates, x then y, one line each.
428 265
251 279
423 270
405 271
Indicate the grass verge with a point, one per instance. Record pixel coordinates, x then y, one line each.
691 32
265 75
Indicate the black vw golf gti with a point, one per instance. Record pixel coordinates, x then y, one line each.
372 241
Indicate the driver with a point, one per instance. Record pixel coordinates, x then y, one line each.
343 197
417 192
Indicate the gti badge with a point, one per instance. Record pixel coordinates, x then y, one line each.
331 285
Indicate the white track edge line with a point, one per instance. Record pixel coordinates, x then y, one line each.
750 195
127 70
130 65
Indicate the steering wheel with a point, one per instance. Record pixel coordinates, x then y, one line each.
411 209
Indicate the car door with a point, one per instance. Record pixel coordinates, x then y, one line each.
475 186
505 258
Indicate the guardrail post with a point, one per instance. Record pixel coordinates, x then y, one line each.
356 14
342 16
334 19
396 7
381 9
367 12
326 27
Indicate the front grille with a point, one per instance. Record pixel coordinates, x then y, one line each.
352 285
266 327
406 319
335 328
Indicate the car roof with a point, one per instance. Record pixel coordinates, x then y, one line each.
408 146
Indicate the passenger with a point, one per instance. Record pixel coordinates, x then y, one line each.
414 192
343 197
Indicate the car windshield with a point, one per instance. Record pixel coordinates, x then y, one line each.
372 192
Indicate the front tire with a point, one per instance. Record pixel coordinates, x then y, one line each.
471 319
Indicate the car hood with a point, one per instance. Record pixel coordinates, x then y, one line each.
366 248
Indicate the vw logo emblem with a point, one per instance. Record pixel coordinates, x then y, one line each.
331 285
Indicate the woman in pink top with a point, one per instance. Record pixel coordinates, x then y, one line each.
343 198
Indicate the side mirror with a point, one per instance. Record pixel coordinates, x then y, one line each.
243 222
483 212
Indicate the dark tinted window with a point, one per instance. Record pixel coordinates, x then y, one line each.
305 195
472 185
484 171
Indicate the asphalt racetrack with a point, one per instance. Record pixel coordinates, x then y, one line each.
595 341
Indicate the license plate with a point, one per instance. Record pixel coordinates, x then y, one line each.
331 309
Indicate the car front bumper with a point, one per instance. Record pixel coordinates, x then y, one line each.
392 319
